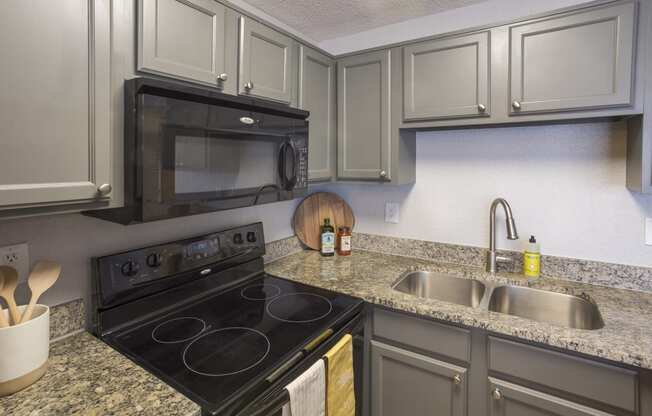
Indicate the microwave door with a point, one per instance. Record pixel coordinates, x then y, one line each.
287 168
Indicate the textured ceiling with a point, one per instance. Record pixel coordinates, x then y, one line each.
328 19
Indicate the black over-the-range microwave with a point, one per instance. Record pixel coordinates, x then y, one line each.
191 150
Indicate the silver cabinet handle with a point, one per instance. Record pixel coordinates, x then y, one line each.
382 174
516 105
222 77
496 394
482 108
249 85
104 189
457 379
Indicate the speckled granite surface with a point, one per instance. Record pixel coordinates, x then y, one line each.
87 377
626 337
281 248
67 318
620 276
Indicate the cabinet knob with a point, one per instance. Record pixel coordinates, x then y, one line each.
222 77
382 174
104 189
516 105
496 394
457 379
482 108
249 85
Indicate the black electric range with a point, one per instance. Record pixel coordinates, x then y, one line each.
202 315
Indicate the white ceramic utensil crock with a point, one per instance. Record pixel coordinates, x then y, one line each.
24 351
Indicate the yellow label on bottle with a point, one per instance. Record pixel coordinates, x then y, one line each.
531 264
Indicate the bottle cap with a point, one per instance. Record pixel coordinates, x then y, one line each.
532 239
343 229
327 221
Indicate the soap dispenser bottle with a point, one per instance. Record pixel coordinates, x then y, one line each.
532 258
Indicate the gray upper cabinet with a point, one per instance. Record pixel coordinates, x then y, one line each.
185 39
578 61
364 140
267 62
55 100
317 94
509 399
447 78
406 383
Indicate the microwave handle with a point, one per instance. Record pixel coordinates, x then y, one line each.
287 183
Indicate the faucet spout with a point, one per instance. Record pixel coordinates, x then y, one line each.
512 234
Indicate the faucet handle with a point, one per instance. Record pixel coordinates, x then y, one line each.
504 259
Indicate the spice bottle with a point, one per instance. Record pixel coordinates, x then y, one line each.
343 241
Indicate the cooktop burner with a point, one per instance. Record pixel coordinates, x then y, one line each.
178 330
299 307
226 351
260 292
212 348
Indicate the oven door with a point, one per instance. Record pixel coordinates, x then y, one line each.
198 157
271 402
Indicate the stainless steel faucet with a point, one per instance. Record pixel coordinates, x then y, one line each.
512 234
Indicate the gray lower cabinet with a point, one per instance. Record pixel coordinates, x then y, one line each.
364 140
267 64
186 39
317 94
55 100
509 399
447 78
578 61
407 383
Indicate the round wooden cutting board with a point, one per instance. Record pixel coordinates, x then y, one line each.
310 214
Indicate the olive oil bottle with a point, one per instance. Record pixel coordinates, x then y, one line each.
327 234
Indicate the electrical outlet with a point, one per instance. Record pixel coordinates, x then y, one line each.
391 212
648 231
16 256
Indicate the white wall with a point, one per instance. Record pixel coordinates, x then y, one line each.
73 239
565 183
490 12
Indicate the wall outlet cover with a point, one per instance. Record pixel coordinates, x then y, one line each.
648 231
16 256
392 212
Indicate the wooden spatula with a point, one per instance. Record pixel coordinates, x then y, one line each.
3 320
43 276
7 292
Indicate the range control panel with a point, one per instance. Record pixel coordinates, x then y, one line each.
148 266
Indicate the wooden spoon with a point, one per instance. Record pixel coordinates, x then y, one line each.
43 276
3 320
7 292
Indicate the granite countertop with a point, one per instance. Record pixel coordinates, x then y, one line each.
87 377
625 338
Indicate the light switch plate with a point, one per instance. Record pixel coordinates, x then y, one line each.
392 212
16 256
648 231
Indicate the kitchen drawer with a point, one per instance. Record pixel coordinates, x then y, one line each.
426 335
592 380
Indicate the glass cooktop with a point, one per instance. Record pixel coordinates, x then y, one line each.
222 344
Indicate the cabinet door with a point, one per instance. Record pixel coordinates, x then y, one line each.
406 383
317 95
184 39
267 62
363 139
509 399
55 118
573 62
447 78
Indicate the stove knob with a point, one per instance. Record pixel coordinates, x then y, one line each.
154 260
130 268
237 238
251 237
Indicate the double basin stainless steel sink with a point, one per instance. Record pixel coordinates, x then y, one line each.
538 305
